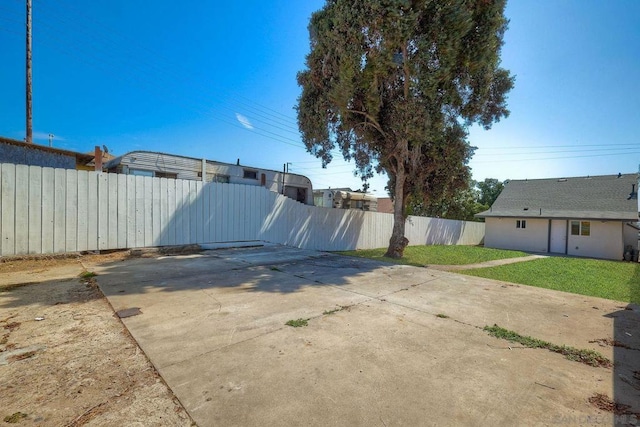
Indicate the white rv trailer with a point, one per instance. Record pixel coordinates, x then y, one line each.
162 165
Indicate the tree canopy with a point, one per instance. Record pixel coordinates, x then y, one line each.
458 203
395 84
489 190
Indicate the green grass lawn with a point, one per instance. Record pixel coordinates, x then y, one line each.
614 280
439 254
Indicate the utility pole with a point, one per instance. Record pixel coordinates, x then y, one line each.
29 138
284 173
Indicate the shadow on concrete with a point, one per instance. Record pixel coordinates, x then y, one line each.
626 356
272 269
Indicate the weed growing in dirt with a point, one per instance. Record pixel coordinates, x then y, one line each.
275 269
297 323
14 418
87 275
588 357
442 316
335 310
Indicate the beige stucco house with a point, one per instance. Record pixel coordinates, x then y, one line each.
593 216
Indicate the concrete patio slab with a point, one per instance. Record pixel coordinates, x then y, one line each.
214 326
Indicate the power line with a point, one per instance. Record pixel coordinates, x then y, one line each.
555 158
561 151
529 147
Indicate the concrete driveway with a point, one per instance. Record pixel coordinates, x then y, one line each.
384 345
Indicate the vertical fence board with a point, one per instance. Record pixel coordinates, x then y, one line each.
47 210
83 215
92 211
156 218
131 211
163 217
22 210
148 211
243 213
34 206
178 216
59 210
185 212
8 209
103 211
193 211
172 210
122 212
234 212
206 191
227 213
221 215
198 203
71 211
139 192
112 210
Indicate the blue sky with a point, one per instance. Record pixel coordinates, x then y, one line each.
217 80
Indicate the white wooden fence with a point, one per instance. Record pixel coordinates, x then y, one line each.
45 211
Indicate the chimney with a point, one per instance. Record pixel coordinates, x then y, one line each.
634 193
97 159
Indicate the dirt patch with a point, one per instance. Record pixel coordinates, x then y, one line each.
89 370
604 403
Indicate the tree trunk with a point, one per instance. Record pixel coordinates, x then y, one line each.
398 242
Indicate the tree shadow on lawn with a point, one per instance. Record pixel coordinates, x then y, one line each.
626 352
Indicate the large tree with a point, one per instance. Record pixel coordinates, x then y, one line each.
395 84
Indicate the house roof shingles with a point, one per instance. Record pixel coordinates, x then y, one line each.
605 197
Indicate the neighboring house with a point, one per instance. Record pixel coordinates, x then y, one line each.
162 165
345 198
585 216
22 153
385 205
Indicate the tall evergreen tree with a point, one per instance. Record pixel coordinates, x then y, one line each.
395 84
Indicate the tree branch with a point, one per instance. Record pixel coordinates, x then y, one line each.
373 122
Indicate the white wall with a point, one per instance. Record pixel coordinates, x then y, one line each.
45 210
502 233
605 241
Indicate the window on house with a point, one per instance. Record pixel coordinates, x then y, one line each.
224 179
585 228
575 228
249 174
521 223
166 175
140 172
580 228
